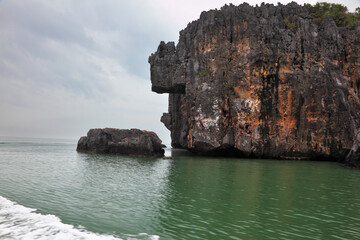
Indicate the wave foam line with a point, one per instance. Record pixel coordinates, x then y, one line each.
19 222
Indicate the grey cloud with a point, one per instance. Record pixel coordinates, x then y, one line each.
67 66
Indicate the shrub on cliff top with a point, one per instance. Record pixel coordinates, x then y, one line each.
338 12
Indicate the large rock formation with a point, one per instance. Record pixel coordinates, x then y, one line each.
133 142
262 82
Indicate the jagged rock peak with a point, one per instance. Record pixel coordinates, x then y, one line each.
262 81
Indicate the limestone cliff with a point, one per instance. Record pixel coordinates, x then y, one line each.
262 82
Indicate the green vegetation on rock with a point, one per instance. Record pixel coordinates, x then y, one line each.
205 72
338 12
290 24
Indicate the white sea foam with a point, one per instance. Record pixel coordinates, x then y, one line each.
19 222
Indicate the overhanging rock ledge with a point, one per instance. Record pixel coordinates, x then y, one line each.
243 81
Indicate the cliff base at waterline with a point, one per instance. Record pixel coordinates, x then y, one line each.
262 82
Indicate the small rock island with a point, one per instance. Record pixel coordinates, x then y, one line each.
132 142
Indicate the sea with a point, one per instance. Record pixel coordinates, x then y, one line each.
49 191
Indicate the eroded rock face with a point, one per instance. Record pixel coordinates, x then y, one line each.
244 81
133 142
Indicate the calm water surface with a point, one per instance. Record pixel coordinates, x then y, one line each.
190 197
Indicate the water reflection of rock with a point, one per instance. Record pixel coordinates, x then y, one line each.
130 191
243 199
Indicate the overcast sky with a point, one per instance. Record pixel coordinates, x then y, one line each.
67 65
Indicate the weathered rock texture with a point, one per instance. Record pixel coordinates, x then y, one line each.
262 82
133 142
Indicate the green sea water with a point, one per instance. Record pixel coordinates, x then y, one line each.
188 197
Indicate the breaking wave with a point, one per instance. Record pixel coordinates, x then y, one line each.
19 222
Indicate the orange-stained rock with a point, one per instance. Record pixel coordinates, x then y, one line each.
243 83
